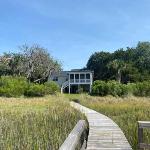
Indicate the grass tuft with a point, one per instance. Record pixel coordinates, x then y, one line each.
37 123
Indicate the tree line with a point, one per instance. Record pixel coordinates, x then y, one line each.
123 65
33 62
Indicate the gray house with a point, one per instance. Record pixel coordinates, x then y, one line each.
73 81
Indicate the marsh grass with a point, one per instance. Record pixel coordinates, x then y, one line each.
124 111
37 123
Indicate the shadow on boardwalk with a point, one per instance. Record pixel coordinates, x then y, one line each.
104 133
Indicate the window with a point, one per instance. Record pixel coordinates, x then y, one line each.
55 79
87 76
76 76
71 76
82 76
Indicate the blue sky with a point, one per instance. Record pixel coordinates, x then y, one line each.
73 29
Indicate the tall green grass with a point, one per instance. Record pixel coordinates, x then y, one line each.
37 123
124 111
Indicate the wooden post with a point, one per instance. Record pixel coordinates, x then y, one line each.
69 88
74 77
141 126
78 87
90 88
61 90
140 137
69 83
79 77
91 81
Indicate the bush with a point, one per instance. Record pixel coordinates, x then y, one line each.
100 88
12 86
35 90
51 87
131 87
103 88
18 86
114 88
142 89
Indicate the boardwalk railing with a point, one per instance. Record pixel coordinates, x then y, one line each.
77 138
141 126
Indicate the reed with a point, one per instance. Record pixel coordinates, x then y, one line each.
37 123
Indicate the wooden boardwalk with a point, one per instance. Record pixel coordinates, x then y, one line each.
104 134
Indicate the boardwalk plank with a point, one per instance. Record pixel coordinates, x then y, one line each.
104 133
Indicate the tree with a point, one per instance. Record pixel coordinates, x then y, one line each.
118 66
143 56
33 62
130 65
37 64
5 64
98 63
130 73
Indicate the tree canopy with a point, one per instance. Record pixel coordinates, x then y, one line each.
33 62
125 65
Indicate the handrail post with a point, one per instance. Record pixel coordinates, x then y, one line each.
141 126
140 136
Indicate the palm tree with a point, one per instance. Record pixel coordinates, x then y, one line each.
118 66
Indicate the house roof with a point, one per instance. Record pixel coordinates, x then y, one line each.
64 73
80 70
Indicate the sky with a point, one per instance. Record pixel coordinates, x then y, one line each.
72 30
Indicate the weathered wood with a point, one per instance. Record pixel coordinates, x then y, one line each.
144 124
104 134
144 146
77 137
141 126
140 137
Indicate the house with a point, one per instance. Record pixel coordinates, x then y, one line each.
74 81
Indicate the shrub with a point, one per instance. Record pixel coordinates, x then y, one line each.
142 89
51 87
130 87
103 88
35 90
12 86
100 88
114 88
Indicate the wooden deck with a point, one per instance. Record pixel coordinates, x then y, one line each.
104 134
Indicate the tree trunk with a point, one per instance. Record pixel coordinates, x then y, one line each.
118 78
